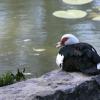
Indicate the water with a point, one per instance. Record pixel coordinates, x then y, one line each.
29 24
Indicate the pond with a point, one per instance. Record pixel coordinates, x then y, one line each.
29 32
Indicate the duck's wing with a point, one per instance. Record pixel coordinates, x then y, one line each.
67 53
92 59
78 55
90 53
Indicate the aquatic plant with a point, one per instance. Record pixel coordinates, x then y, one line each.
70 14
77 2
96 18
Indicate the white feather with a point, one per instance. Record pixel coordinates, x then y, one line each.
71 39
98 66
59 60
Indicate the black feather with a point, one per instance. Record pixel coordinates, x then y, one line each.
80 57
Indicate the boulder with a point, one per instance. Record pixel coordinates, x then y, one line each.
55 85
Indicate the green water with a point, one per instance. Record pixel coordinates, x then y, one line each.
28 24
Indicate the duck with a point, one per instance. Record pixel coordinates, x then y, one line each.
76 56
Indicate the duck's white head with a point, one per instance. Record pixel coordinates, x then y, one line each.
67 39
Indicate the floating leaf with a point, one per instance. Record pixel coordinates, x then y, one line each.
77 2
38 50
97 18
70 14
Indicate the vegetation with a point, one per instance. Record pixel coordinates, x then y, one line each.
77 2
70 14
10 78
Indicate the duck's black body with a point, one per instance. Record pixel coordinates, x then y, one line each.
80 57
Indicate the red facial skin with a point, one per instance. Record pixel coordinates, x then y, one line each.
63 41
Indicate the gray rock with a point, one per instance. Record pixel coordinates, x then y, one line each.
55 85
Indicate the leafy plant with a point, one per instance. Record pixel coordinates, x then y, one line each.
9 78
6 79
19 75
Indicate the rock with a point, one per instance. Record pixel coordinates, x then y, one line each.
55 85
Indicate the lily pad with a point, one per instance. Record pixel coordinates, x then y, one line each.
77 2
97 18
38 50
70 14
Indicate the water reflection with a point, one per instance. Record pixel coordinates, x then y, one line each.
28 24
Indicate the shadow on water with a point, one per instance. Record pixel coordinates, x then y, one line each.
28 24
